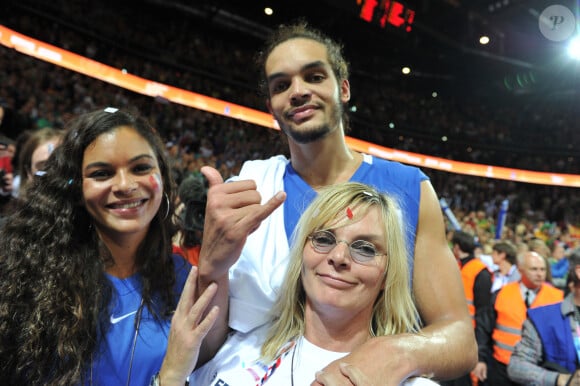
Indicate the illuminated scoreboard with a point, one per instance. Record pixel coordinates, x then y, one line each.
386 13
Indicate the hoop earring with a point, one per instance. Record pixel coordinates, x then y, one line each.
167 209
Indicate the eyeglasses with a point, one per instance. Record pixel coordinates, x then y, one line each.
361 251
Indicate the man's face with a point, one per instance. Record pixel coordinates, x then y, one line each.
305 97
497 256
533 270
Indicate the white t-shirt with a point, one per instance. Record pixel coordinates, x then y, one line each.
297 364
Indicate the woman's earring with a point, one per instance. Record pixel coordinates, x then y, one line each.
167 209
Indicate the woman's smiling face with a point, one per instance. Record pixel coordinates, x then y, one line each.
122 187
334 281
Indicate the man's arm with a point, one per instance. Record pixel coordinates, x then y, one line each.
233 212
449 349
524 366
482 291
446 347
484 325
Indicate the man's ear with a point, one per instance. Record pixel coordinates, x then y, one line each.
344 91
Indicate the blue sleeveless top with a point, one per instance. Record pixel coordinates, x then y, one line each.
402 182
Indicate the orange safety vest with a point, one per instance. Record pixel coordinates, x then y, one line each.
189 254
511 313
468 274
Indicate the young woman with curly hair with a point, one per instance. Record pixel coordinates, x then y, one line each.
88 282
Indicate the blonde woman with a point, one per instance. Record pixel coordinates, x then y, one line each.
347 281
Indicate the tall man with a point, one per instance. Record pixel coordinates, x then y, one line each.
306 78
499 329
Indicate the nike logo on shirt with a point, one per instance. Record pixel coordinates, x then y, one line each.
118 319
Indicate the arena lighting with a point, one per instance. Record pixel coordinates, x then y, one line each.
406 70
484 40
574 48
268 11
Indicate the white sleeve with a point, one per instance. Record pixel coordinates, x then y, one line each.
257 275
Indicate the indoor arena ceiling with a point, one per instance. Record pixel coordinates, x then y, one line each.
441 40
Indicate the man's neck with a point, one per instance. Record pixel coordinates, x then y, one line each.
325 162
533 289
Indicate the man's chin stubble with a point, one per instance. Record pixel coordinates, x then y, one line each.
307 136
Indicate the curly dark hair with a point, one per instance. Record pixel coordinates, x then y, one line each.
54 295
300 29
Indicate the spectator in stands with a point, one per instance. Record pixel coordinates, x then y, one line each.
499 327
192 195
87 279
504 255
547 353
476 286
7 149
539 246
484 253
307 91
18 144
35 151
521 247
559 263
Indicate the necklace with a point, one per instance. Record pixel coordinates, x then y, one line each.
292 365
137 325
133 346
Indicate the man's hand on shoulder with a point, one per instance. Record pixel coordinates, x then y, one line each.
368 364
